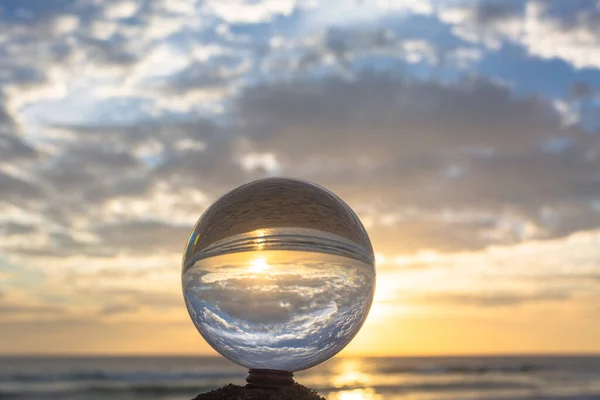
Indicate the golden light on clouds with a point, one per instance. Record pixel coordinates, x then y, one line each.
478 184
500 300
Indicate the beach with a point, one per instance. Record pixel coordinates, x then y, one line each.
416 378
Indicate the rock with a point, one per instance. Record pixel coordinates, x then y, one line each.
234 392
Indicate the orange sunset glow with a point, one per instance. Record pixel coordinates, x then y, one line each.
464 134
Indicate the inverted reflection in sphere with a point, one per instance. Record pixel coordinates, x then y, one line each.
278 274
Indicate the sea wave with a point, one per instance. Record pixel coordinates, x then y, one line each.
84 391
439 387
157 390
567 378
112 376
24 377
464 369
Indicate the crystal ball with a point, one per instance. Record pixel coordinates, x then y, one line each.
278 274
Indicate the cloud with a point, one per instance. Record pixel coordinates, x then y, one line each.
555 270
119 308
144 236
501 299
18 306
122 9
132 188
580 90
385 143
135 116
581 279
12 145
66 24
407 145
404 117
546 29
91 50
570 36
411 234
349 12
30 310
11 228
493 11
16 190
87 171
241 11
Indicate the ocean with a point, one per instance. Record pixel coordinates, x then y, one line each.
179 378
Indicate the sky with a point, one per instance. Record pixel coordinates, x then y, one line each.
465 134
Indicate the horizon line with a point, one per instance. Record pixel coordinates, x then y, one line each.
216 356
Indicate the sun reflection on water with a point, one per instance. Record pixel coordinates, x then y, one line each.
349 374
356 394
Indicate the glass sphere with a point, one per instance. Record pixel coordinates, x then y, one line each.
278 274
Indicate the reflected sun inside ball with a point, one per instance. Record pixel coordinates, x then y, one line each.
259 265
